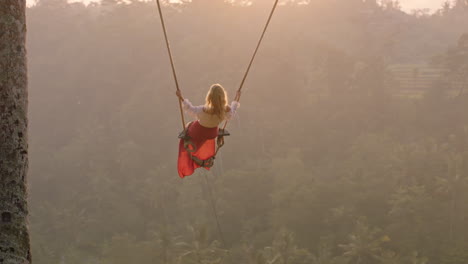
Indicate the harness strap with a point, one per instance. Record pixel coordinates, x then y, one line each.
208 163
190 147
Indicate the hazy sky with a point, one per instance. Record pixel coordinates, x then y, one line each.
407 5
412 4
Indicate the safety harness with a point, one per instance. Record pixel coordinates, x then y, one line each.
191 148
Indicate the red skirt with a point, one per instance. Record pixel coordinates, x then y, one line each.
204 140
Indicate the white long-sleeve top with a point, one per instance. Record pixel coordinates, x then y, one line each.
205 119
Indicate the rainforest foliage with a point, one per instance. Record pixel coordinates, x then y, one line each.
329 161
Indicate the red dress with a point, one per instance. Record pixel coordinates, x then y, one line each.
205 141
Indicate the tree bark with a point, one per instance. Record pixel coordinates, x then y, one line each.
14 236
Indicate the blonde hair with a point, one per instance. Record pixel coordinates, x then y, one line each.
216 101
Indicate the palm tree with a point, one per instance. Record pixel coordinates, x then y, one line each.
284 251
324 254
14 236
364 246
416 258
200 250
168 245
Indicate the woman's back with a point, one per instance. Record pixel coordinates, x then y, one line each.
215 109
207 119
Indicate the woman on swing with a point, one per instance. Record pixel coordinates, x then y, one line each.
204 131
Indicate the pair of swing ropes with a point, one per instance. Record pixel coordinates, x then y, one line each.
236 99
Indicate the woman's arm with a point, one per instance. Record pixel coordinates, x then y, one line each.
234 106
191 109
188 106
232 109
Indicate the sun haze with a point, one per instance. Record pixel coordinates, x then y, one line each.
349 146
407 5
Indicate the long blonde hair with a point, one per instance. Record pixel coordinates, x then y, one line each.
216 101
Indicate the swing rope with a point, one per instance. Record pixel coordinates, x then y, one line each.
172 62
256 50
238 95
215 212
237 98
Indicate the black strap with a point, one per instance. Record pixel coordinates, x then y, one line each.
208 163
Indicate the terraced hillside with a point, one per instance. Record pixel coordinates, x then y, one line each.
415 77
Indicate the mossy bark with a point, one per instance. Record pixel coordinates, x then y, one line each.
14 236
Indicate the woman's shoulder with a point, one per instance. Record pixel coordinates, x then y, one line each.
199 109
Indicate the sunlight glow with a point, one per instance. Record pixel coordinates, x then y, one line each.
433 5
407 5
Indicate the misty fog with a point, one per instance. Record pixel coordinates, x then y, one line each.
350 145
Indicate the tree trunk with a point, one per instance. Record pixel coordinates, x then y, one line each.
14 236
